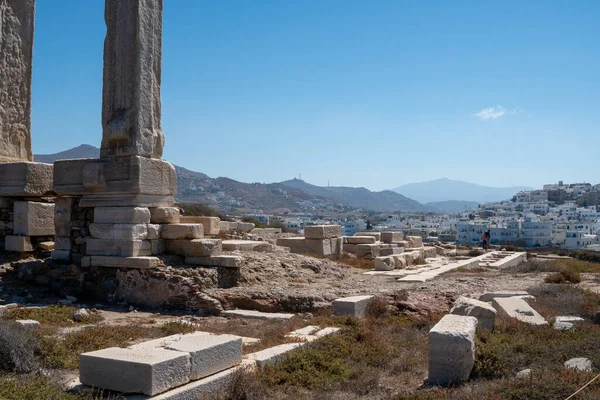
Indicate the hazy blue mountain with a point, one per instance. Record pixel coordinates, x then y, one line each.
386 200
452 206
447 189
82 151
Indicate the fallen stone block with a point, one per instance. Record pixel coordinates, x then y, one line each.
195 248
7 307
252 314
489 296
33 218
165 215
376 235
368 251
121 248
569 318
391 251
524 373
212 225
391 237
210 354
122 215
400 262
360 239
28 323
452 350
182 231
224 226
354 306
270 356
429 252
414 241
322 231
485 313
20 244
320 247
385 263
246 245
119 231
579 364
349 248
134 371
125 262
516 307
563 326
226 261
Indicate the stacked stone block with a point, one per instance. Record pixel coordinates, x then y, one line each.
321 240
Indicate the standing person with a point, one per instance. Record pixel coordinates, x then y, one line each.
488 239
484 240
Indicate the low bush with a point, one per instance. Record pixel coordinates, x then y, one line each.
17 348
564 276
175 327
586 256
56 315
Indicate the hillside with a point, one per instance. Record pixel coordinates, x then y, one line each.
227 195
360 197
447 189
452 206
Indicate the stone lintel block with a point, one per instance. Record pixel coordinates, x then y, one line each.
126 200
165 215
322 231
135 371
25 179
182 231
376 235
253 314
121 248
115 176
125 262
489 296
119 231
385 263
226 261
195 247
210 354
32 218
391 237
485 313
20 244
354 306
122 215
452 349
360 239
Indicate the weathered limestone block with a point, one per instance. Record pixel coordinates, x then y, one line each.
355 306
489 296
360 239
485 313
158 246
580 364
33 218
154 231
28 323
403 243
226 261
134 371
120 248
385 263
452 349
182 231
516 307
62 243
391 251
376 235
270 356
209 354
131 108
212 225
350 248
24 178
322 231
246 245
369 251
253 314
321 247
20 244
400 261
429 252
62 216
415 241
165 215
46 246
224 226
125 262
122 215
16 53
391 237
119 231
195 248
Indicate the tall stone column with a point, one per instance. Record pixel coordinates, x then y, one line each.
131 108
16 53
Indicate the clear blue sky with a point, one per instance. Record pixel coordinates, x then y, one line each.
360 93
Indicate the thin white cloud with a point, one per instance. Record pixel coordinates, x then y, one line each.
491 113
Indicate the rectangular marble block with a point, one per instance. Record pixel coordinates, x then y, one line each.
119 231
210 354
134 371
354 306
195 248
165 215
360 240
322 231
182 231
391 237
32 218
225 261
125 262
122 215
121 248
212 225
25 179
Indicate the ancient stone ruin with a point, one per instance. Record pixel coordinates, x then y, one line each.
26 203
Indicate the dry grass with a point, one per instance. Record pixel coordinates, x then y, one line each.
52 316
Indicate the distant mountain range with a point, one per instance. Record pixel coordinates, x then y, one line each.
442 190
227 195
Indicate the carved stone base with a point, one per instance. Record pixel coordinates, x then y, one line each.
25 179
